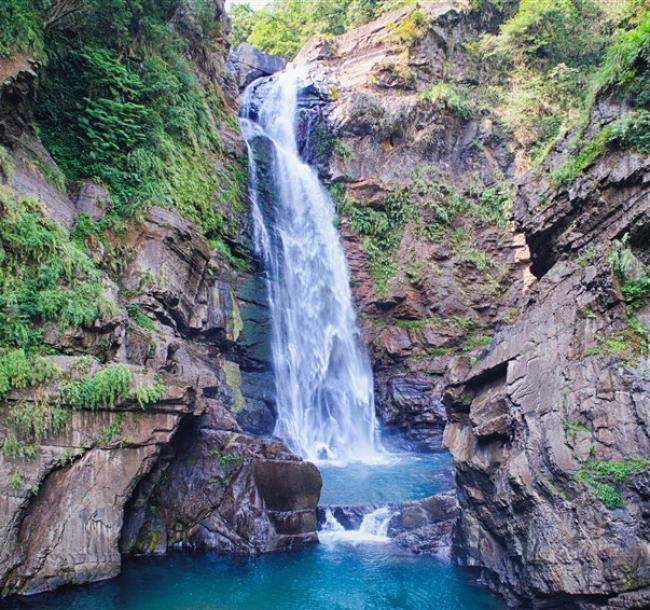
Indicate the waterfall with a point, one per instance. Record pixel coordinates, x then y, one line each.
323 377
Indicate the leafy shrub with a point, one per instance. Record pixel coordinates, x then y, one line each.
571 169
409 29
627 62
545 57
545 33
284 26
633 131
620 257
105 389
457 103
44 277
21 28
147 395
20 371
381 232
635 292
138 316
141 128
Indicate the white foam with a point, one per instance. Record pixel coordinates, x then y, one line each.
373 529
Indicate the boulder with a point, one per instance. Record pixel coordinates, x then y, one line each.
248 64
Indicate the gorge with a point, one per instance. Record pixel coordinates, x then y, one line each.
364 329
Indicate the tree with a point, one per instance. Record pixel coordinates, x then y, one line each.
241 23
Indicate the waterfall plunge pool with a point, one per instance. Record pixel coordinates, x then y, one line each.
323 577
339 573
404 476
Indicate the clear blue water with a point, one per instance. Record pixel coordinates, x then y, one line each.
342 577
408 477
332 575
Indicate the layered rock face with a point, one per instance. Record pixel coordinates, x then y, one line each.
515 339
556 397
175 460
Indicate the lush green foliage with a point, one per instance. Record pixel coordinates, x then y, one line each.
283 27
545 33
380 232
108 388
44 277
120 104
21 27
20 371
635 284
627 63
105 389
138 316
32 421
548 53
140 128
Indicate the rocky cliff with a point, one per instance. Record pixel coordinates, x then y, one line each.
139 435
503 304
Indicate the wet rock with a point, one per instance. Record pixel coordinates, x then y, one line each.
546 399
349 517
224 490
426 526
248 64
259 413
410 402
62 523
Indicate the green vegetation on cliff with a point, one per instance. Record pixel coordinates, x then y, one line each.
552 57
44 277
127 110
129 95
120 103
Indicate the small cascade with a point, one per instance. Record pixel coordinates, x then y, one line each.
373 528
323 377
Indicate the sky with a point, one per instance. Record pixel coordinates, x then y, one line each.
255 4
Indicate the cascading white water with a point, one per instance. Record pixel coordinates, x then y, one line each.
373 528
323 377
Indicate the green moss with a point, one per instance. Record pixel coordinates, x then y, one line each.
601 476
